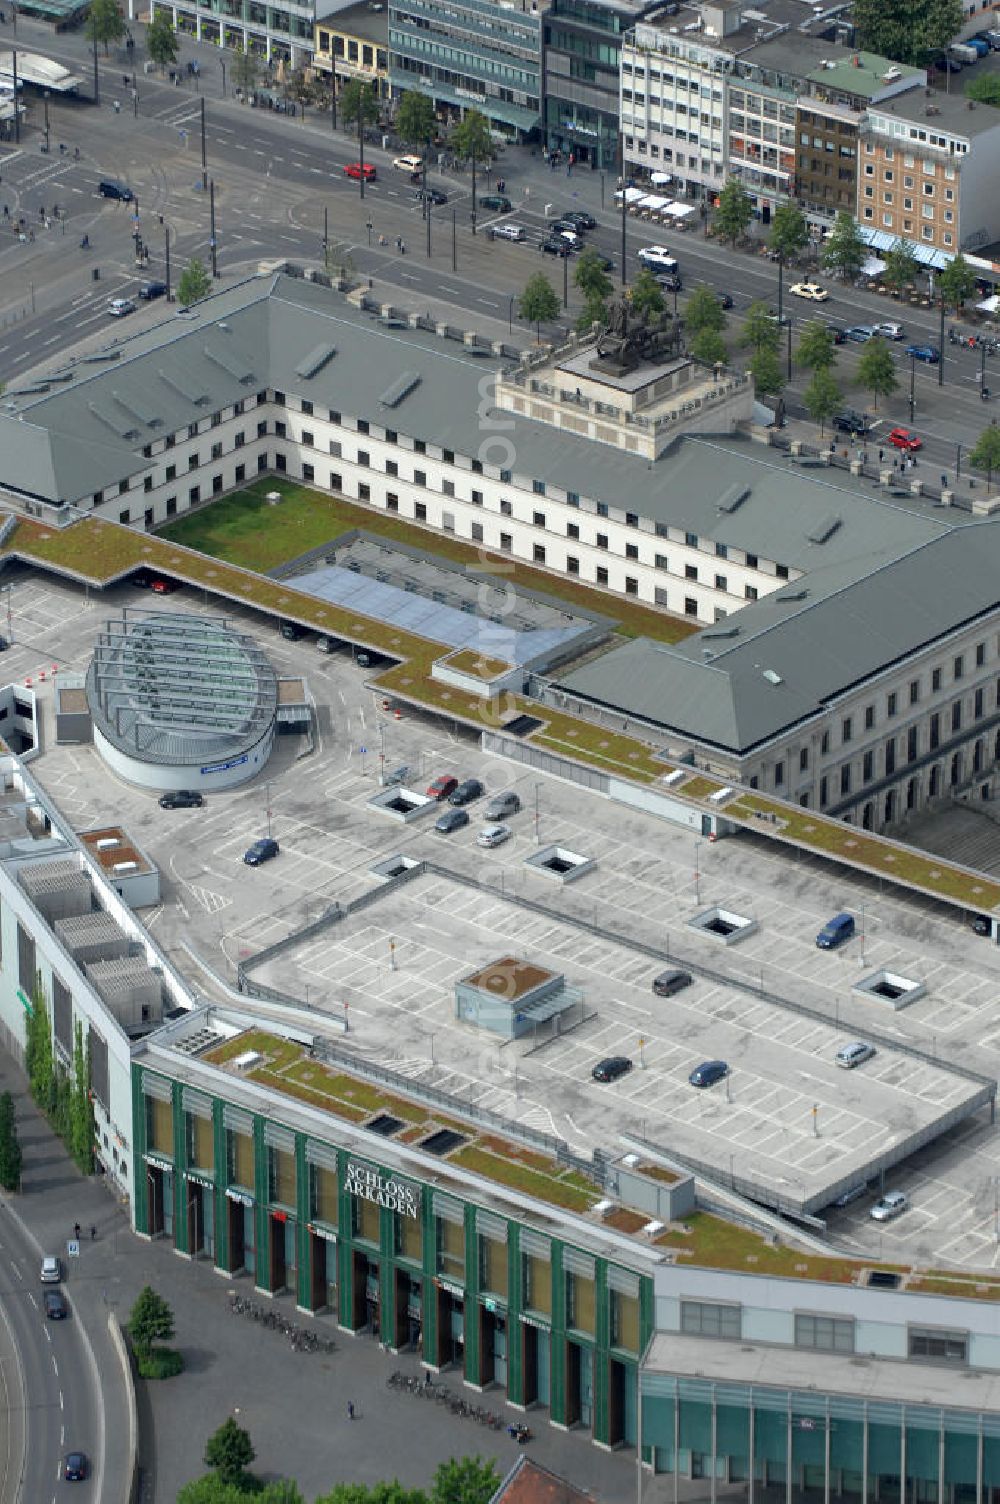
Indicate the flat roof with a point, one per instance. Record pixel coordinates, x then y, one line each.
111 845
508 978
367 21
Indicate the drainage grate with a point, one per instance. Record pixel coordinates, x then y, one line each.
443 1141
385 1124
882 1279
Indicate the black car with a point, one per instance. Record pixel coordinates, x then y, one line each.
470 789
580 219
181 799
565 223
726 299
982 924
708 1073
261 851
947 65
669 982
838 333
452 819
56 1308
432 195
670 282
150 290
498 202
291 631
556 246
850 421
611 1068
75 1467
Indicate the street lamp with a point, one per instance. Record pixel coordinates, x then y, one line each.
369 227
510 315
697 873
913 377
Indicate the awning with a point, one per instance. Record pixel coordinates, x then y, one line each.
681 211
652 201
990 305
926 255
632 195
872 267
660 179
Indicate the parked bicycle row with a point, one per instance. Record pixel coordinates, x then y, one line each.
425 1388
301 1338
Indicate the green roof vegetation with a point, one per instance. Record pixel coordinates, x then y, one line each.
470 661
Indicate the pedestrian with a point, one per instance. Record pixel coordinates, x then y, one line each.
402 247
93 1232
428 1381
944 482
76 1231
350 1409
881 454
569 165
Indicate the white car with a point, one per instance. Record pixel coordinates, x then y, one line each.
493 835
891 1205
890 331
119 307
508 232
51 1272
810 290
658 255
408 164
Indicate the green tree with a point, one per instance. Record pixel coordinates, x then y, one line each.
378 1493
10 1145
212 1490
105 22
956 282
465 1480
229 1451
594 311
761 330
901 265
815 350
986 454
709 347
161 39
538 303
415 118
38 1060
845 252
646 295
908 31
822 397
703 311
765 368
151 1321
789 235
590 277
358 103
245 71
985 90
735 211
877 370
82 1128
194 284
470 138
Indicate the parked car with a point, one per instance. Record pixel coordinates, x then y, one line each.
890 330
929 354
508 232
855 1053
498 202
836 932
355 170
55 1305
811 291
891 1204
261 851
466 792
860 333
670 282
432 195
837 331
181 799
659 256
119 307
669 982
451 819
75 1467
581 219
556 245
726 299
150 290
947 65
396 777
851 421
904 438
611 1068
566 226
291 631
708 1073
442 786
408 164
163 585
853 1193
327 644
982 924
502 805
51 1271
493 835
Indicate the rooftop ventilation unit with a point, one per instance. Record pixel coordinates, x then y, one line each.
772 676
825 529
181 390
314 362
788 597
732 499
123 430
394 394
723 632
230 365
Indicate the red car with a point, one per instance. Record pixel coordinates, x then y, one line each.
902 438
442 787
355 170
162 586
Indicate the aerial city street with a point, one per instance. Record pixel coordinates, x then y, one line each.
500 747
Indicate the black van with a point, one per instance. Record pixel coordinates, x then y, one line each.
111 188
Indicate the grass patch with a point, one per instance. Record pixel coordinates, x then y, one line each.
699 787
708 1240
966 1289
243 529
160 1363
569 1191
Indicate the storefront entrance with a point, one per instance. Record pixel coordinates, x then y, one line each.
451 1329
536 1364
621 1404
322 1273
160 1201
242 1244
579 1385
366 1315
409 1310
281 1251
492 1347
200 1220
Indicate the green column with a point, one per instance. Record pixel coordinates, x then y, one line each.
430 1321
181 1242
140 1200
222 1249
262 1279
303 1294
345 1260
557 1403
473 1363
646 1323
387 1277
602 1375
515 1304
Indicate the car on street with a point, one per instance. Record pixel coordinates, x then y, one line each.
851 421
556 245
56 1308
659 256
890 330
565 225
855 1053
861 333
508 232
611 1068
670 282
355 170
581 219
432 195
726 299
119 307
669 982
905 438
261 851
708 1073
837 333
781 319
891 1205
181 799
75 1467
811 291
408 164
493 835
498 202
112 188
451 819
467 791
150 290
442 786
929 354
51 1271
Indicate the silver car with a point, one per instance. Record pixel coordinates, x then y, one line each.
893 1203
509 232
855 1053
493 835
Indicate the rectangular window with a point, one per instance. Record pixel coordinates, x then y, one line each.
977 705
691 539
391 501
721 582
750 592
935 732
779 774
419 477
538 553
506 510
690 606
420 511
631 585
573 530
869 717
867 767
914 691
890 756
281 1176
477 498
171 471
391 467
701 1318
845 778
507 542
958 667
980 654
690 571
825 1333
307 439
938 1344
493 1266
661 561
891 702
476 532
25 961
538 518
935 680
336 481
956 716
911 744
364 491
160 1127
602 540
239 1159
572 564
365 1220
194 496
364 459
323 1195
631 550
580 1303
803 759
450 1248
408 1237
845 729
601 575
124 517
